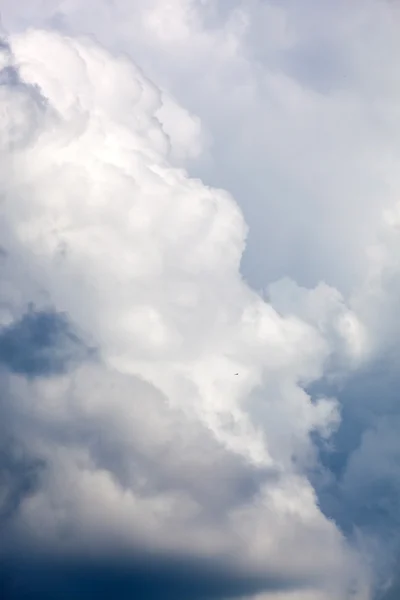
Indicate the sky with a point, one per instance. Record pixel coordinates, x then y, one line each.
200 281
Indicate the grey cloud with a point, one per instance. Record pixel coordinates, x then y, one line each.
318 64
19 475
392 592
133 577
163 449
41 343
358 483
9 76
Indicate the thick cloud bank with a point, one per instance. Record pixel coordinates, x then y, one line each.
165 429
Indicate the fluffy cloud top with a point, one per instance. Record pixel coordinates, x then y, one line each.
156 408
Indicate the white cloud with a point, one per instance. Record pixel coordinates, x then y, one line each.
293 153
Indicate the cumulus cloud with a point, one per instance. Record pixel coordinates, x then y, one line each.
157 406
294 140
152 445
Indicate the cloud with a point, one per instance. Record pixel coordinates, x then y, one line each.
39 344
295 143
122 155
19 476
132 577
152 445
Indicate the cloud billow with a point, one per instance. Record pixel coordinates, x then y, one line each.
212 424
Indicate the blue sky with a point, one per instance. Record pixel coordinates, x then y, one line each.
198 301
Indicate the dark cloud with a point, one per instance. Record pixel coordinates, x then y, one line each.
392 593
358 478
41 343
19 476
136 578
367 399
